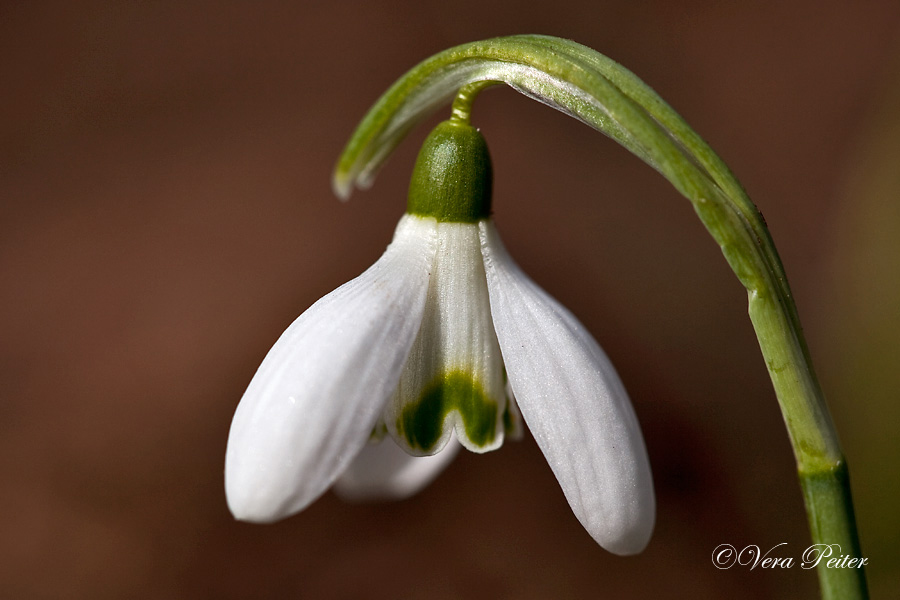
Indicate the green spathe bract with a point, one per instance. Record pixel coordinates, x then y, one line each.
452 177
422 422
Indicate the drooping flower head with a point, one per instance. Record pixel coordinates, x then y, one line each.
441 343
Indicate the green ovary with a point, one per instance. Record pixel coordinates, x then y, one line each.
422 422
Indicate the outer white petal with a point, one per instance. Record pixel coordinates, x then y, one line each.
574 405
312 404
384 471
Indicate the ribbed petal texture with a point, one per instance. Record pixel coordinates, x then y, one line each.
574 405
312 404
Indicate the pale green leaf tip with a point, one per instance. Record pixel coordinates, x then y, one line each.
341 185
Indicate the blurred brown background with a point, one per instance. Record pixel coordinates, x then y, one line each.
166 212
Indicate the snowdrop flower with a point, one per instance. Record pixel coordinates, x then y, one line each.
439 344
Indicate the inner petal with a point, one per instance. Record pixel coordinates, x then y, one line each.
454 378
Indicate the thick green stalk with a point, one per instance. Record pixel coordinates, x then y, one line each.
606 96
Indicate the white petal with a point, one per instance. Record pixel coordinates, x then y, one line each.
453 380
384 471
574 405
313 402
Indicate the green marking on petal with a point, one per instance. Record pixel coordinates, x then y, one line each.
422 422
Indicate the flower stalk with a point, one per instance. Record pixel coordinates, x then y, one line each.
604 95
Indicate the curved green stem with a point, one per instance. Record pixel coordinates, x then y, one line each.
461 110
604 95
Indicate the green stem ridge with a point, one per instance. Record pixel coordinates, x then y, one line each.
604 95
461 109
